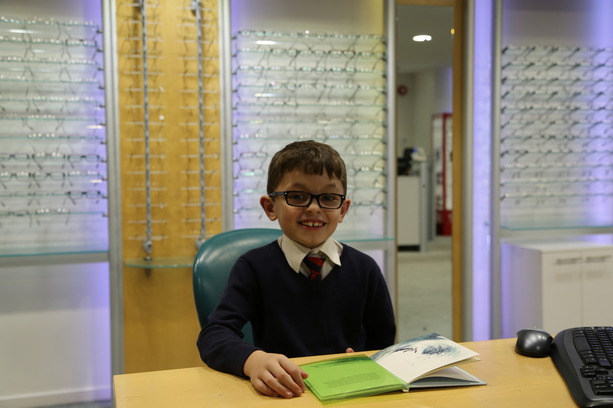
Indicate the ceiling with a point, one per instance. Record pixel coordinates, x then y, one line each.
434 20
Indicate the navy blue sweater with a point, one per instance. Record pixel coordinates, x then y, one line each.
295 316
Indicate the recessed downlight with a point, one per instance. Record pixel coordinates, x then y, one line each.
422 38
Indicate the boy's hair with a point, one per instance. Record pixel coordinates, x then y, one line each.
309 157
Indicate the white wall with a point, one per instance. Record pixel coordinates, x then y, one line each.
571 23
429 92
54 334
346 16
404 114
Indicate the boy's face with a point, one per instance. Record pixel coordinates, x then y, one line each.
312 225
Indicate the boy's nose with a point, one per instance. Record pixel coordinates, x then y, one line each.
314 205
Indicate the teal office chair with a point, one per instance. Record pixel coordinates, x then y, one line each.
213 263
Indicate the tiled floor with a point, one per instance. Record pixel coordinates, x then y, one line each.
424 291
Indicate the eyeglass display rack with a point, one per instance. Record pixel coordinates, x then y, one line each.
169 99
328 87
53 172
556 137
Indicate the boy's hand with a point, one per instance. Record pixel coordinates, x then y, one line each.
274 375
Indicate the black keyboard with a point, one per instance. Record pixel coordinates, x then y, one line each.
584 359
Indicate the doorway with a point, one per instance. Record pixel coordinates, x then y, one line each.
424 78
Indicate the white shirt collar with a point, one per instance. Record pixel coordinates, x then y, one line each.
295 252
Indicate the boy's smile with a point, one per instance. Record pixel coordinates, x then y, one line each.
311 225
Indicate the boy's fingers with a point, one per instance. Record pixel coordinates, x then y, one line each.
287 385
296 374
277 385
275 375
263 388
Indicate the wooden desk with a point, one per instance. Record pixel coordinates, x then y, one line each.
513 381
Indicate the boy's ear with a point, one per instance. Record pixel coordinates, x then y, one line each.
344 209
269 207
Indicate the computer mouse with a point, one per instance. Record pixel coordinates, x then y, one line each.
533 343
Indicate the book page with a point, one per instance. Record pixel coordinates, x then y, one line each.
451 376
417 357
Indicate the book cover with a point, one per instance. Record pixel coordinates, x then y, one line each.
356 375
426 361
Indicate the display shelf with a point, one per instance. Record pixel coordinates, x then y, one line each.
283 72
187 262
284 122
83 253
554 225
363 238
160 263
50 23
256 35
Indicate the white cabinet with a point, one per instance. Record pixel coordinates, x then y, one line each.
555 285
409 211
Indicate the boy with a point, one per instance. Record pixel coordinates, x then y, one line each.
296 307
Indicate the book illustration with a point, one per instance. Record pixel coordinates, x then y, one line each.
429 346
414 358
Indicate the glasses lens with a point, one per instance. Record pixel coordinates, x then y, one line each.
298 198
330 200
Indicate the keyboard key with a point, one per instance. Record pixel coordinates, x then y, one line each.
581 344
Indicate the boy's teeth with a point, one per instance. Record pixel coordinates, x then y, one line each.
312 224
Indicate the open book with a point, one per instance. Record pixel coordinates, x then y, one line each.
426 361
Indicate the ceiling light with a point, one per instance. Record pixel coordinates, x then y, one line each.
422 38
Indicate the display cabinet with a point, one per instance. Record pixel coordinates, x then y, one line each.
556 137
553 117
542 134
53 160
170 146
328 87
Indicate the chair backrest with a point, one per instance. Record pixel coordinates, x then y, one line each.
213 263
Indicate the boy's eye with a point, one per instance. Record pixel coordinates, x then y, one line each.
329 198
298 197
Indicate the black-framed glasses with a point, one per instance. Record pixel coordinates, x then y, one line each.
328 201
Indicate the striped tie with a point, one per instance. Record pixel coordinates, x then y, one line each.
314 264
